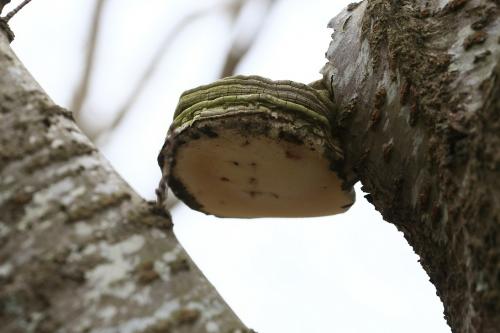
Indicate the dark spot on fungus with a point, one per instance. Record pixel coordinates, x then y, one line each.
476 38
253 194
292 155
246 143
253 164
275 195
194 135
208 132
289 137
224 179
235 163
252 180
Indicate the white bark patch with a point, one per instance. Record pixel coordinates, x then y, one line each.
391 87
212 327
158 234
89 250
143 297
7 180
172 254
442 3
107 313
41 202
5 269
44 174
83 229
108 278
418 139
162 269
57 143
72 195
108 188
4 230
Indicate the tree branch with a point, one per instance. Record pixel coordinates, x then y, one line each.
417 87
3 3
79 249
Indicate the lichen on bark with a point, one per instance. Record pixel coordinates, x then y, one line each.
434 140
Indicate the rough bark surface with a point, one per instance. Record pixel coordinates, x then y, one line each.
80 251
418 85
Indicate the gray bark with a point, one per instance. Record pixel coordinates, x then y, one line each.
418 86
80 251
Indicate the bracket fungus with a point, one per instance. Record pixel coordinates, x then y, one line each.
246 147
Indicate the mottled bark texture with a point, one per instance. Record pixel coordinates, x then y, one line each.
418 87
79 250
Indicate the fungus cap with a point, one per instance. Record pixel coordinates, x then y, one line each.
255 153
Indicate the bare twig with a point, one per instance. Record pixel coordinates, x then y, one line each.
81 91
2 4
15 10
143 81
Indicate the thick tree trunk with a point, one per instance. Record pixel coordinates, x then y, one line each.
418 85
79 250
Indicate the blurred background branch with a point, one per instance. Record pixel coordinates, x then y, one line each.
243 38
233 8
241 46
82 89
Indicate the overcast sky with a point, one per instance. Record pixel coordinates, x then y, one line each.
345 273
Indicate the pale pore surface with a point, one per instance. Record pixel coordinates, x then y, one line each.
236 176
